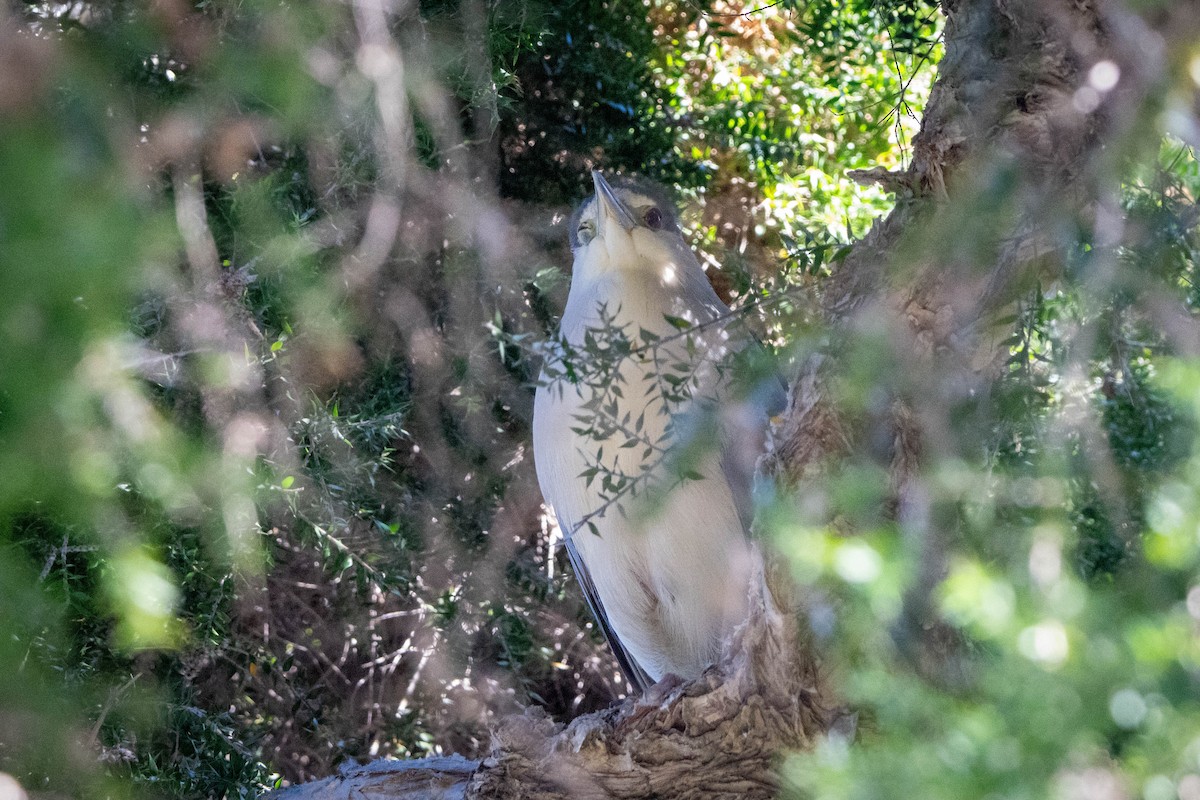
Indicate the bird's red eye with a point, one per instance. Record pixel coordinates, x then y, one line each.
654 219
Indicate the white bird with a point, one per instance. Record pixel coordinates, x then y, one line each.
651 488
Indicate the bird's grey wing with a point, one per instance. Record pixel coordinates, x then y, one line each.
743 439
634 673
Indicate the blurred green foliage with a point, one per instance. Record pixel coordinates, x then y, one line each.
1070 664
269 275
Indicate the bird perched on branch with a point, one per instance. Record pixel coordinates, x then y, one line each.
640 447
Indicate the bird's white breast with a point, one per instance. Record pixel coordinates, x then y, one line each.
669 557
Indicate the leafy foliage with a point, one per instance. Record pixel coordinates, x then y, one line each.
1055 655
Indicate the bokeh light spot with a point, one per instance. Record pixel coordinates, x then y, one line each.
1045 643
1128 708
857 562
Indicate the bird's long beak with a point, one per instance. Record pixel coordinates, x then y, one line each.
609 208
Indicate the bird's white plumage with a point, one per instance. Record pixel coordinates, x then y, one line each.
669 563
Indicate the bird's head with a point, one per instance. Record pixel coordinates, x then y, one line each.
628 225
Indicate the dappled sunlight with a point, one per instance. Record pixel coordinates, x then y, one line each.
145 591
1046 643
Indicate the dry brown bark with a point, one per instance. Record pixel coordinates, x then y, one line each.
1005 107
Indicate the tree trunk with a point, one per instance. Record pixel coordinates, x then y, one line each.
1012 108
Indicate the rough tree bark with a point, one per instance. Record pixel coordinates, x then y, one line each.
1012 105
